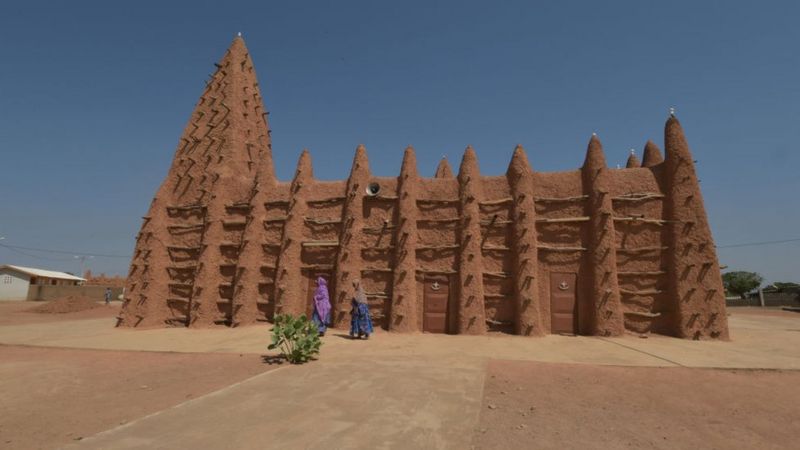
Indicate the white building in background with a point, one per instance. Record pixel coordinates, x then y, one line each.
15 281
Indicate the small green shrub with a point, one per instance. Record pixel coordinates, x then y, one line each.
296 337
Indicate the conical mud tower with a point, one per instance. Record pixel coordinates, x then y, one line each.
594 251
185 267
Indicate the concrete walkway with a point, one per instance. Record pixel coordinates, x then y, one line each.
375 404
393 391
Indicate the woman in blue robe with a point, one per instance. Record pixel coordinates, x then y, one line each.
360 321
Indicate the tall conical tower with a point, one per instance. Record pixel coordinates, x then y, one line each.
471 311
404 283
528 305
185 262
601 286
349 258
695 284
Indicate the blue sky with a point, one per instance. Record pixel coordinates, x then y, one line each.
94 96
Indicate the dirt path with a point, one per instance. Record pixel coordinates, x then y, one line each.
51 397
563 406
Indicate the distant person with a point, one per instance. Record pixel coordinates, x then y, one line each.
360 321
108 296
322 306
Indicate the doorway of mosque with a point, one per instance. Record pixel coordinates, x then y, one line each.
436 304
563 303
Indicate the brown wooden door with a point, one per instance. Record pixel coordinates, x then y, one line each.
436 301
563 311
312 287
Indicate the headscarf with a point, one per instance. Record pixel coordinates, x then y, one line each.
321 300
360 296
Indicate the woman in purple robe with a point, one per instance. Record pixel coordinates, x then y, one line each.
322 306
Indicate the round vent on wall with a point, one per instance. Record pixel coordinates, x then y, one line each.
373 189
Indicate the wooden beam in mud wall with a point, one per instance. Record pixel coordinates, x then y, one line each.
601 287
403 312
146 286
471 312
223 243
348 258
249 275
695 283
527 321
289 283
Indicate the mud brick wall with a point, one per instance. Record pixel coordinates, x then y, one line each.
226 244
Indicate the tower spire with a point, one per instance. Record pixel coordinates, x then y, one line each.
633 161
443 170
223 148
652 155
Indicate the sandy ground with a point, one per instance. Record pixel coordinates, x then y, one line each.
18 313
77 393
566 406
407 390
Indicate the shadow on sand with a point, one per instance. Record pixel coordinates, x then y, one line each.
274 359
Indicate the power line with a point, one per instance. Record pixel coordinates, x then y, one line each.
62 252
35 256
753 244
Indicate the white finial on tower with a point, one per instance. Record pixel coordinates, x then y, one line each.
633 152
444 156
239 34
594 134
672 111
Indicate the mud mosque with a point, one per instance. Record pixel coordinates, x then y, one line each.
594 251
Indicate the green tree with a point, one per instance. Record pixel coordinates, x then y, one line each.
740 283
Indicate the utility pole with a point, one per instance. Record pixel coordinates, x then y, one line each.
83 259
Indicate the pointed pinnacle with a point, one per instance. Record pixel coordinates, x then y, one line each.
652 155
304 168
237 47
443 170
360 160
519 161
595 158
469 164
675 144
409 167
633 161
